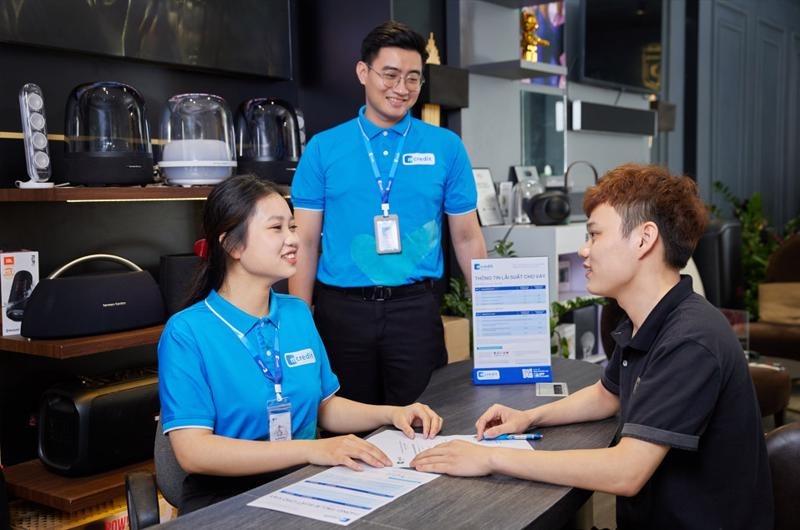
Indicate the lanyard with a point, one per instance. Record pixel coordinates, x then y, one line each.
275 376
376 172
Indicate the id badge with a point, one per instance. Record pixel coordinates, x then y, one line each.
387 234
280 420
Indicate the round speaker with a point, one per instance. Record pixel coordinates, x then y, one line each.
548 208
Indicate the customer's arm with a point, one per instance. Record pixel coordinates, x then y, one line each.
621 470
309 230
588 404
338 414
468 243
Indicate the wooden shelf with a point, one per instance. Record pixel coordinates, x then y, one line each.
32 481
152 192
77 347
518 69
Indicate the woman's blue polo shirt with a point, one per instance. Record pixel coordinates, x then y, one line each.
434 177
209 378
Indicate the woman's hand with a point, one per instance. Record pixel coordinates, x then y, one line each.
460 458
345 450
417 415
499 419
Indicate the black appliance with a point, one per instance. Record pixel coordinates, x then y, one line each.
21 287
107 136
96 424
553 206
268 139
92 304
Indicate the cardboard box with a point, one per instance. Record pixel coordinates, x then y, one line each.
456 338
18 276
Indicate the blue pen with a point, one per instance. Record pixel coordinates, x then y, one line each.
532 436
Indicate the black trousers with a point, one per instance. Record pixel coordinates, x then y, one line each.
383 347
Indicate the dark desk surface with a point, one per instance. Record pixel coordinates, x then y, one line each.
450 502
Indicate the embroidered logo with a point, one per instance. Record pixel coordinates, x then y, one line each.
419 159
300 357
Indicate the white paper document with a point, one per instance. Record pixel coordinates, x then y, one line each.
340 495
402 450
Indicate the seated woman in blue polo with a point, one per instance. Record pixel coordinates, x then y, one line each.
244 379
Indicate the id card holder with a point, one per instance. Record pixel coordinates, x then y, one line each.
387 234
280 420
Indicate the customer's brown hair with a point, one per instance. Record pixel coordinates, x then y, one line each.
641 193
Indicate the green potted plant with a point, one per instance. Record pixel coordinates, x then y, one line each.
759 240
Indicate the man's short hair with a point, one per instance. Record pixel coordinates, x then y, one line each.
392 34
641 193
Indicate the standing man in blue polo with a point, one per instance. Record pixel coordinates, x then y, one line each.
374 191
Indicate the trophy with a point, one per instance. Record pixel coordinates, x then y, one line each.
530 41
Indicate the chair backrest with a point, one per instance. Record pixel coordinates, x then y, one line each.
169 473
783 448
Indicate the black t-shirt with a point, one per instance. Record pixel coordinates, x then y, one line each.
683 381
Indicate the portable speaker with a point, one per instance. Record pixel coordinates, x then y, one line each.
96 424
18 297
92 304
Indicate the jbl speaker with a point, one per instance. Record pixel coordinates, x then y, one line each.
92 304
96 424
18 297
175 276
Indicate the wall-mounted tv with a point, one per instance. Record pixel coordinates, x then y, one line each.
621 45
247 36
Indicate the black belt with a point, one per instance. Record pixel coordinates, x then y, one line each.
378 293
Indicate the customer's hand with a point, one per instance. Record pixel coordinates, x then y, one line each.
417 415
460 458
345 450
499 419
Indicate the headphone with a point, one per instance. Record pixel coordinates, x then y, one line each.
552 207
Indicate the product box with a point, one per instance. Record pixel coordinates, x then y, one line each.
18 276
456 338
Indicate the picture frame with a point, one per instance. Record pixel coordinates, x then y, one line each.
489 213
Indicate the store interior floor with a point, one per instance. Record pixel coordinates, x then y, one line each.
603 504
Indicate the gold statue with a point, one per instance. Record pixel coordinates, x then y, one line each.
433 51
432 113
530 41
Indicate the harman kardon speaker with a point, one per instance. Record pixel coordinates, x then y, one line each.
92 304
34 135
96 424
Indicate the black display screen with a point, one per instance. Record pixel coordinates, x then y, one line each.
622 43
247 36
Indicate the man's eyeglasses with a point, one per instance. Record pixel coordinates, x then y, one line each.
391 79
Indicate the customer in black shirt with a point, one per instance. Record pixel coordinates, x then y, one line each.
691 450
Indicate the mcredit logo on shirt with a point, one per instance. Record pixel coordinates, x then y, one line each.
300 357
419 159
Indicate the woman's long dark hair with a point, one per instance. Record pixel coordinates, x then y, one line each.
227 211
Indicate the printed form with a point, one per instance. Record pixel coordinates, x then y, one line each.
340 495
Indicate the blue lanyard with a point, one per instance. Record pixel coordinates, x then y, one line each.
275 376
376 172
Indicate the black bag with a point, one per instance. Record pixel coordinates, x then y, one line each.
92 304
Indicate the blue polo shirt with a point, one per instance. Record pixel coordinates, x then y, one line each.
434 176
209 378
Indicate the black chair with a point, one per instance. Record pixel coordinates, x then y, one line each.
141 492
783 448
